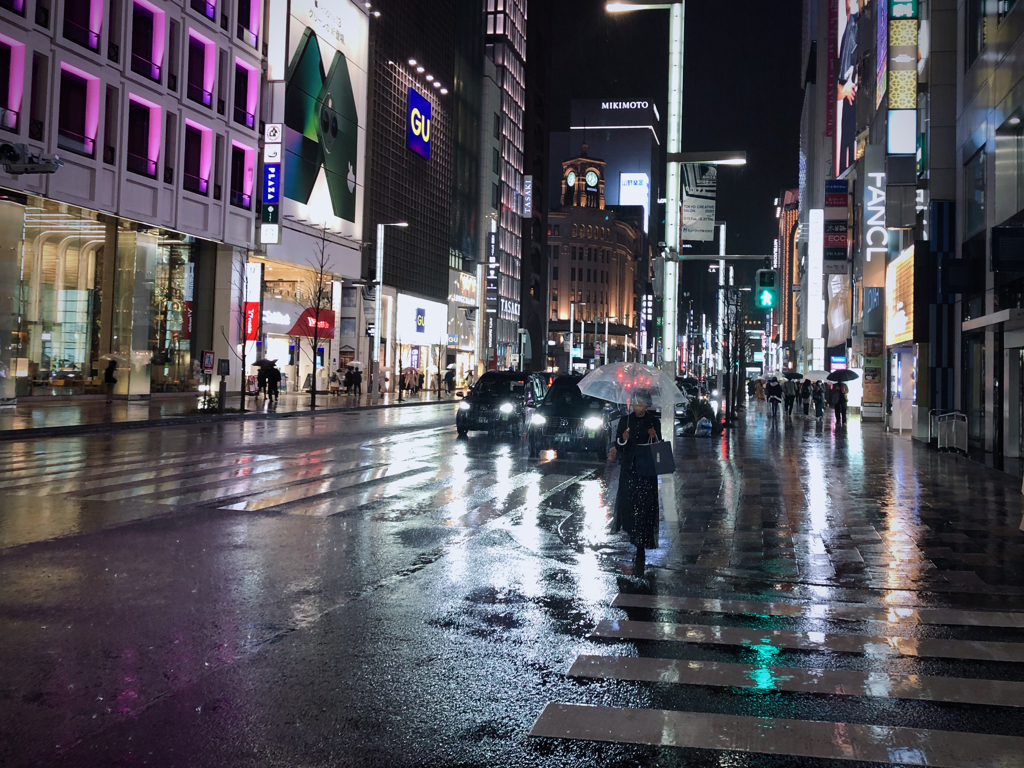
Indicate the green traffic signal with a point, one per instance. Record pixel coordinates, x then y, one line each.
767 299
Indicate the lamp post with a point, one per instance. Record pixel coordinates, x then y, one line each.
375 372
572 329
606 319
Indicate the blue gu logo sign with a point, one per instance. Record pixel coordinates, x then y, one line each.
417 133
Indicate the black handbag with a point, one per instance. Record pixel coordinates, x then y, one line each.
654 459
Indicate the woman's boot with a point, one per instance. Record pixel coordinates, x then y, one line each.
639 562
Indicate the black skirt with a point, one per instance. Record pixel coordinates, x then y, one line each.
637 509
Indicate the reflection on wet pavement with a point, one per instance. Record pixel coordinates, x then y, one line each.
366 587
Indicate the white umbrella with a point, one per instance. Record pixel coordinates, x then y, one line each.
619 382
816 375
356 364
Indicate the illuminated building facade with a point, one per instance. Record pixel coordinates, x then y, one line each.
505 41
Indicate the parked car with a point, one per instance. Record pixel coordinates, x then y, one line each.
500 403
567 420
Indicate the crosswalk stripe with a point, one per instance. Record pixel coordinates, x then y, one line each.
810 641
838 612
778 736
767 679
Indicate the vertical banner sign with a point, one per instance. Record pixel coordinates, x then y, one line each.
845 15
270 231
830 63
837 214
417 132
186 316
253 291
815 256
902 63
881 51
876 236
527 196
700 186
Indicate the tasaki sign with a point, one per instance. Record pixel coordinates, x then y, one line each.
417 132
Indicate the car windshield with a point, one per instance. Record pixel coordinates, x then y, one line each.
498 386
567 393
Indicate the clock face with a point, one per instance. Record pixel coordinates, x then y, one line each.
591 179
570 180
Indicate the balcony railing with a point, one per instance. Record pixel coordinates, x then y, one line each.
15 6
9 119
141 165
209 10
85 37
244 118
195 184
251 38
76 142
240 199
197 94
143 66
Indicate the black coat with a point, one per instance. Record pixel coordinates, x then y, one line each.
637 508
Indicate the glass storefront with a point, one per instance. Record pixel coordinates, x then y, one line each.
78 288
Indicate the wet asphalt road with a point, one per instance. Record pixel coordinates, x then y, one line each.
365 589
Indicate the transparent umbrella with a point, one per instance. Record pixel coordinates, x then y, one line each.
618 382
816 375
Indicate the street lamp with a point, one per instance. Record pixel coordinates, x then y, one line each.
375 372
606 319
572 328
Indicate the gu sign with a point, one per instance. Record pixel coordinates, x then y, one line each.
418 125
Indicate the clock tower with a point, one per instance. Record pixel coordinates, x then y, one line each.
583 182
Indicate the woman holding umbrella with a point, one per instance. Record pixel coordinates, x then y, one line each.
637 510
840 395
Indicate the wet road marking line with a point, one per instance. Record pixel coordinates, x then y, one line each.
837 612
810 641
777 736
268 501
768 679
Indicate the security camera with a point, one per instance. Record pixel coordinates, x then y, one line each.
18 159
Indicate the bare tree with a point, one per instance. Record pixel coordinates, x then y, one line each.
318 295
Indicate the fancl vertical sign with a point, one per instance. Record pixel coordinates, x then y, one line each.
875 235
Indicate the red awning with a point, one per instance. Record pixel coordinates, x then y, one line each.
305 324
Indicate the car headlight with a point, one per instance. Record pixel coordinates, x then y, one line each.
464 406
593 423
538 420
507 408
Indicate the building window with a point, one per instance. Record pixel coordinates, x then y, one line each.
198 157
495 160
246 87
12 77
14 6
574 230
975 31
588 275
82 22
147 40
573 274
78 111
574 253
143 137
974 194
207 8
497 125
249 22
558 229
243 172
495 196
201 63
554 273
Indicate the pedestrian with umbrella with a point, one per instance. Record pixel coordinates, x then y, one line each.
840 394
642 388
805 396
774 392
818 398
789 391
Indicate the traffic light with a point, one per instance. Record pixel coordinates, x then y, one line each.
766 291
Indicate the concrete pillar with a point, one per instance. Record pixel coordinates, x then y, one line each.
12 221
228 332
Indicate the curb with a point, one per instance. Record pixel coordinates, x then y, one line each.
42 433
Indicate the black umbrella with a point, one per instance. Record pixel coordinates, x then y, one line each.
793 375
844 375
264 363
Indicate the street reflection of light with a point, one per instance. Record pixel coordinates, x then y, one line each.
502 474
529 532
592 585
595 520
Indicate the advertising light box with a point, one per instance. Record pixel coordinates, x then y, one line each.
417 124
325 115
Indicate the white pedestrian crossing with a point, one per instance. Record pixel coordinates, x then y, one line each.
881 743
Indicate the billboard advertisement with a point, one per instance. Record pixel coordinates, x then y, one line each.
846 83
417 124
635 189
700 186
325 115
253 292
899 299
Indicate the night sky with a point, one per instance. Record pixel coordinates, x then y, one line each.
741 90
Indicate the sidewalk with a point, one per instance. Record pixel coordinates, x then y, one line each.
45 418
